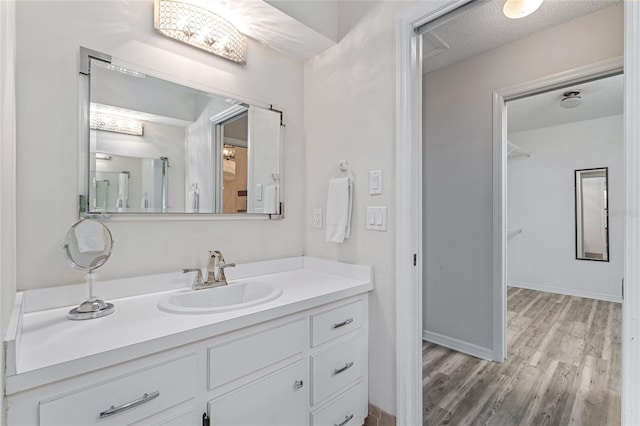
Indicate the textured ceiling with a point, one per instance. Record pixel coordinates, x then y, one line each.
601 98
485 27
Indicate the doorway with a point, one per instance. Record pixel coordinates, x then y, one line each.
408 146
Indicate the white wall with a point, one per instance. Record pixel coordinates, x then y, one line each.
321 16
7 173
541 201
349 110
47 106
457 164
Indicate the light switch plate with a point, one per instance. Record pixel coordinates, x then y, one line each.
376 218
259 192
317 218
375 182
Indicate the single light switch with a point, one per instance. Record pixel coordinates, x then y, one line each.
375 182
259 192
371 220
377 218
317 218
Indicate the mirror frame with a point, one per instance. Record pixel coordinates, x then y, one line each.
84 178
576 211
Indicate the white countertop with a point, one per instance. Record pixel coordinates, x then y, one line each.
50 347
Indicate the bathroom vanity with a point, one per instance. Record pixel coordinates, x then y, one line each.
299 359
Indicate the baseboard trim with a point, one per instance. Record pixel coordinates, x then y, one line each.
568 292
458 345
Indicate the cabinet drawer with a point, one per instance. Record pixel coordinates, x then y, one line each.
243 356
349 409
127 399
279 399
336 368
336 322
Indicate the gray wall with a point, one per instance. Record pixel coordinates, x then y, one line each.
457 164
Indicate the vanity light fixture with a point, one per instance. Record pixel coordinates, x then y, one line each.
115 123
200 28
571 99
515 9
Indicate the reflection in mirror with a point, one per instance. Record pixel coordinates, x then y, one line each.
592 211
159 147
235 158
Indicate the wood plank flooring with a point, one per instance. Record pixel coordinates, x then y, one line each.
562 368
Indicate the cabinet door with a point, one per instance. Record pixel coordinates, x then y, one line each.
279 399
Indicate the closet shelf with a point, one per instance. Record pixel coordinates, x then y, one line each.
514 150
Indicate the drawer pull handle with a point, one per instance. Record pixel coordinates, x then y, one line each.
343 369
346 420
298 384
124 407
343 323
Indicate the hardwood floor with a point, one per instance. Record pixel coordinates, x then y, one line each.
562 368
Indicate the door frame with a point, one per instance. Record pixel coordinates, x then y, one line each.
500 98
408 261
409 211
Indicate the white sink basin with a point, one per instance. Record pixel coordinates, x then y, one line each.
230 297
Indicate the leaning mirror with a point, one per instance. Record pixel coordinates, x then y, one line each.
592 214
158 147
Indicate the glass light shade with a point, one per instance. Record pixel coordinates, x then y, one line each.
200 28
229 152
516 9
115 123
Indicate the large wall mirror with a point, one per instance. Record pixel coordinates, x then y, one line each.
592 214
156 147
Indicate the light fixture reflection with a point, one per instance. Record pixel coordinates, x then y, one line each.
200 28
115 123
229 152
516 9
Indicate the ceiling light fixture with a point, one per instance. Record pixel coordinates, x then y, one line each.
115 123
200 28
571 99
103 156
516 9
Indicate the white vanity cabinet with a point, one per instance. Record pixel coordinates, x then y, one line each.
305 368
339 364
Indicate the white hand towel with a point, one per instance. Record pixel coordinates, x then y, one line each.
90 236
270 197
339 204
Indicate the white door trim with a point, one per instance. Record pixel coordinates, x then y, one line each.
409 228
631 299
500 97
409 207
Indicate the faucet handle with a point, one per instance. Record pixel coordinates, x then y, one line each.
199 280
228 265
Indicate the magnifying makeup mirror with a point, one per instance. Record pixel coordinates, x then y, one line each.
88 246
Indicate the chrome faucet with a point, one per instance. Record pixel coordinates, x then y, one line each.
215 272
215 268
